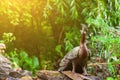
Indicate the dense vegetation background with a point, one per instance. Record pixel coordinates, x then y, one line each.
38 33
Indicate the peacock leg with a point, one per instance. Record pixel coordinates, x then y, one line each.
84 71
73 66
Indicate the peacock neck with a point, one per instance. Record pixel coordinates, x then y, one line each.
82 39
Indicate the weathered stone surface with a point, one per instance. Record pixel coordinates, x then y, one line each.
51 75
64 75
5 67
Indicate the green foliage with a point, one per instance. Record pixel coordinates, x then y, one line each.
21 59
58 49
72 38
111 78
40 32
8 37
46 64
104 21
68 8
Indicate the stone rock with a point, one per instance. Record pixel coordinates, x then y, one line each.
5 67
